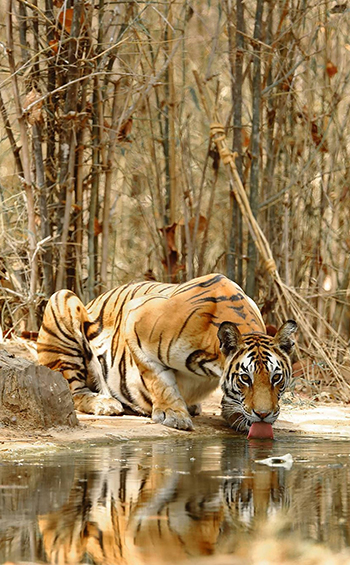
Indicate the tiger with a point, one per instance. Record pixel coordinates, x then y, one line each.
159 349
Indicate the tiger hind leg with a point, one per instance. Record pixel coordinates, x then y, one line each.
63 346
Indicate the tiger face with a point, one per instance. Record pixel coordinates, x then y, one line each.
257 370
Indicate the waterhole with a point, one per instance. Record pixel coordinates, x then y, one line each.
171 500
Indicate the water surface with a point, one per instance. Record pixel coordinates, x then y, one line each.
167 500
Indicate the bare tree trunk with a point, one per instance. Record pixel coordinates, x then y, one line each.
208 217
68 139
236 235
46 255
166 137
171 130
79 201
27 181
22 23
35 75
255 146
232 241
51 103
96 169
107 195
45 228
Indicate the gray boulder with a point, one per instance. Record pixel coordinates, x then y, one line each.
33 396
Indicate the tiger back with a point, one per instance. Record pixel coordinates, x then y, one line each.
149 347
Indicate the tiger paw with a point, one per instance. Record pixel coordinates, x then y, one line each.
172 419
105 406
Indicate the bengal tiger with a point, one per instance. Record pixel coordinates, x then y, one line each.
159 349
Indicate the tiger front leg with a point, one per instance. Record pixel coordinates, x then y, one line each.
168 405
143 335
169 408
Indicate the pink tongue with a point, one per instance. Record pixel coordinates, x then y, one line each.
260 430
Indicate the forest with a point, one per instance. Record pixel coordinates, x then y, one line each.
163 140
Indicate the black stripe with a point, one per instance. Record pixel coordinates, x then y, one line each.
123 378
146 398
216 299
106 301
72 352
137 337
104 366
186 321
145 395
87 349
205 284
168 349
59 328
114 346
166 286
66 366
159 351
200 358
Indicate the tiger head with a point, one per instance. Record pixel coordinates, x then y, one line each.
257 370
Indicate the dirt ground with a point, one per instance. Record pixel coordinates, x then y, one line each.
299 416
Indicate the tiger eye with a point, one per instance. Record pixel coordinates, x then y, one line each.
245 379
276 378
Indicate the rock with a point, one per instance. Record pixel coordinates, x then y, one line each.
33 396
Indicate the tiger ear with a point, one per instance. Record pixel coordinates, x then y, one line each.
229 337
283 336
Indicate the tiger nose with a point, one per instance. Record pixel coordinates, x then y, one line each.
261 415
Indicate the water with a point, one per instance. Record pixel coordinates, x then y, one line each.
163 501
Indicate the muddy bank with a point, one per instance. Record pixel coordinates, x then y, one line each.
298 417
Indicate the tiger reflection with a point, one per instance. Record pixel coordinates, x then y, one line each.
152 508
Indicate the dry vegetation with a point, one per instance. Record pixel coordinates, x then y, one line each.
109 172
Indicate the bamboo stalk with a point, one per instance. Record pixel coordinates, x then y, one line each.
113 132
79 200
96 150
46 254
235 247
61 269
172 143
68 140
27 181
255 145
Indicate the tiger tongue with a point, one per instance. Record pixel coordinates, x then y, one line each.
260 430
